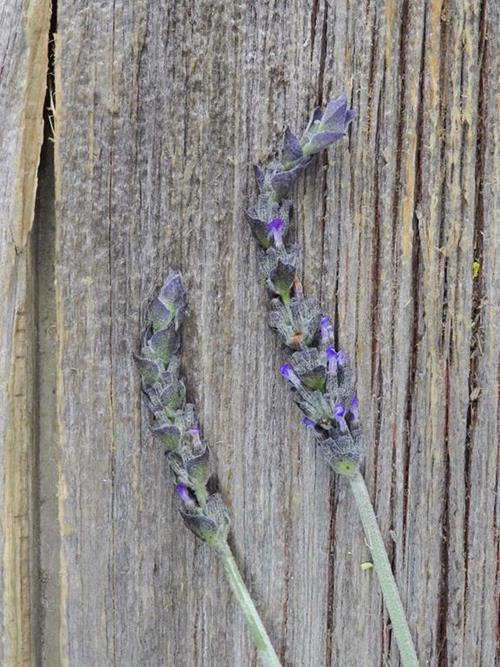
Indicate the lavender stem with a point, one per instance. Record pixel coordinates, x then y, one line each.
256 627
383 569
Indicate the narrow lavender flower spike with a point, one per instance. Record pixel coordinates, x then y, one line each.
287 372
276 229
339 414
309 422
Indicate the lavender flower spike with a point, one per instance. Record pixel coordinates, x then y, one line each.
174 423
321 375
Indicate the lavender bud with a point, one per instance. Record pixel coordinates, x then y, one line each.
326 330
287 372
327 127
213 525
169 305
260 215
282 180
281 279
332 359
276 228
162 345
309 364
198 468
150 371
354 409
308 422
186 496
168 434
340 413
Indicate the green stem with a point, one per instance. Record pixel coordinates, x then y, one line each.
257 630
384 572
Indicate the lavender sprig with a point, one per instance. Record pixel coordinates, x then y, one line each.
319 374
175 424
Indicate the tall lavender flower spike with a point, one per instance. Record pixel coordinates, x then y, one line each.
320 378
175 425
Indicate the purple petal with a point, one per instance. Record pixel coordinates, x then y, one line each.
332 358
339 415
185 495
354 409
308 422
276 228
326 329
287 372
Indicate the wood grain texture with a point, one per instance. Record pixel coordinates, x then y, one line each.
161 110
23 70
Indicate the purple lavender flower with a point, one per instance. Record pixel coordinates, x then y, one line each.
276 228
340 413
265 210
332 359
186 496
287 372
309 422
326 329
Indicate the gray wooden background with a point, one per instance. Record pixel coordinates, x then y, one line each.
161 108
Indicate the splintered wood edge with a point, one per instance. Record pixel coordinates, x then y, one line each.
19 585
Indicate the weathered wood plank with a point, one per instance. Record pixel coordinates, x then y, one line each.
161 108
23 54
